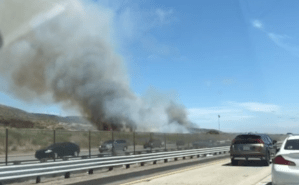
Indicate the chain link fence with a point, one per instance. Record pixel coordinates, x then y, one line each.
22 144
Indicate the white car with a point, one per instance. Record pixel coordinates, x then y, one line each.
285 165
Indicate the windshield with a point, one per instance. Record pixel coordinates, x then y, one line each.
108 142
53 146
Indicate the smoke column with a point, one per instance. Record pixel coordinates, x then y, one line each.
64 55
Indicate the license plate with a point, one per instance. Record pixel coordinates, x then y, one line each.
246 148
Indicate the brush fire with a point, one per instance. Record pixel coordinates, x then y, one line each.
61 52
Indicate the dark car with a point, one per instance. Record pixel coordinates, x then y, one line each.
58 150
202 144
180 143
153 143
114 145
259 146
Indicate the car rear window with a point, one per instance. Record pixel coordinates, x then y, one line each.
292 144
246 139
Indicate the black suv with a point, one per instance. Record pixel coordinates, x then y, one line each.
58 150
202 144
259 146
180 143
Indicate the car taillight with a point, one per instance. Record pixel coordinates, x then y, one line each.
280 160
259 141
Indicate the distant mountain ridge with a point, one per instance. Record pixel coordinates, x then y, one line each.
17 118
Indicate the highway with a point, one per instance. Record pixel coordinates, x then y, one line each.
220 172
214 170
85 152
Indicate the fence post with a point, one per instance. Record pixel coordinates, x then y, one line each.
6 146
177 136
165 141
54 140
188 141
134 140
151 140
89 146
54 136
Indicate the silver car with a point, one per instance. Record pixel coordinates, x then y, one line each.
258 146
113 145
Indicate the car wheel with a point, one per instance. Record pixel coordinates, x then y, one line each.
267 160
234 162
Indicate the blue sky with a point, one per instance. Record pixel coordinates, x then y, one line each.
233 58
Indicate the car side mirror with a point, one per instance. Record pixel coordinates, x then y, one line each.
274 141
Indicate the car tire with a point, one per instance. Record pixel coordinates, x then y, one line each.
267 160
234 162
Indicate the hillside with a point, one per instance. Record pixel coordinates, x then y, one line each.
16 118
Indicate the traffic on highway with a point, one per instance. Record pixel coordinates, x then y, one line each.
149 92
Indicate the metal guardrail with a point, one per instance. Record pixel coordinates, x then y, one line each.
105 154
9 173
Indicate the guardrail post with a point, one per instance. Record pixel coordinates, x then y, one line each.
6 146
37 179
89 145
134 141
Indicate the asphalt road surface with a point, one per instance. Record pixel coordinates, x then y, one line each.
220 172
214 170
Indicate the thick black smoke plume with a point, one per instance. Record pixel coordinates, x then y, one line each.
65 55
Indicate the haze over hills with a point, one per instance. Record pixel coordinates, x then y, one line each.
17 118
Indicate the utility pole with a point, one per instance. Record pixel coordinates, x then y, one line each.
219 122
